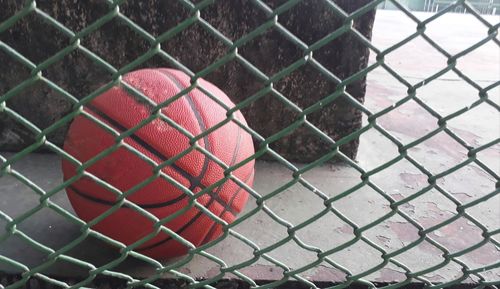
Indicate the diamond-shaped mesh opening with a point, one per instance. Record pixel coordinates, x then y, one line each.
446 153
268 270
239 23
481 212
268 230
485 255
483 132
47 220
393 234
487 156
22 194
116 43
78 74
410 110
405 180
335 127
195 47
358 257
325 272
381 150
429 254
295 19
452 237
52 106
205 263
400 25
449 85
271 42
97 252
384 90
285 254
327 232
460 183
431 209
341 63
77 15
271 102
302 139
239 83
469 64
14 134
156 61
448 40
13 248
390 272
34 38
163 16
240 251
416 204
367 200
490 275
452 270
304 85
275 179
346 177
300 195
412 54
9 80
59 264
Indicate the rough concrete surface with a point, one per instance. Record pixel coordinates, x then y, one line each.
415 61
196 48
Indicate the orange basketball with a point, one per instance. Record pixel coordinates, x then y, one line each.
158 140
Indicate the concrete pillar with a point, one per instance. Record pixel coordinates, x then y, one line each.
195 48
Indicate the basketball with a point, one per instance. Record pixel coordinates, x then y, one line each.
158 141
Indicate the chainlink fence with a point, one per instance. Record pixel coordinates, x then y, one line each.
296 173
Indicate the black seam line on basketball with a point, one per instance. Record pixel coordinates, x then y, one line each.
237 148
199 214
198 117
214 225
148 147
178 232
192 180
183 228
140 141
110 203
203 127
233 160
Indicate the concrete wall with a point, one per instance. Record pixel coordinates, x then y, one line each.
196 49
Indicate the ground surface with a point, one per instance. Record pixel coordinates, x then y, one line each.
414 61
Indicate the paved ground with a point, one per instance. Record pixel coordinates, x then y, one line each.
415 62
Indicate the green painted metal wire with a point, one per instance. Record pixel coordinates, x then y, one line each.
297 174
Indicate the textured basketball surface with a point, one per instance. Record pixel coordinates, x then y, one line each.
159 141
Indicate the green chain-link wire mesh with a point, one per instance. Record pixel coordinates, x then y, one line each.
37 75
